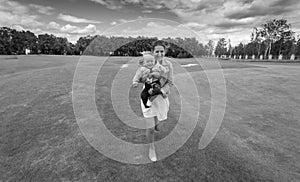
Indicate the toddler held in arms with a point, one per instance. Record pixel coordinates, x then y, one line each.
150 73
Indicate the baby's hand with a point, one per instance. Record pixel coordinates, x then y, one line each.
135 84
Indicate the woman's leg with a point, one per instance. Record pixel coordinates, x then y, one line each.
150 138
156 124
149 131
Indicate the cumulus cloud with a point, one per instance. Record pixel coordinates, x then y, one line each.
147 11
150 29
72 29
53 25
46 10
113 23
218 18
109 4
18 28
121 21
14 13
237 10
73 19
71 32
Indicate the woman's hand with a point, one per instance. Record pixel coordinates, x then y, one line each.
155 74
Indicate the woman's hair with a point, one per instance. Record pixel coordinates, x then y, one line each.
159 43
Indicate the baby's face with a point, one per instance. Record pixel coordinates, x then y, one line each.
149 61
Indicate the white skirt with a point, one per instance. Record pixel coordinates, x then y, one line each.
159 107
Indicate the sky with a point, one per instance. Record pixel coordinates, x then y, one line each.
203 19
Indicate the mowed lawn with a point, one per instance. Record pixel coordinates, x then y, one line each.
259 139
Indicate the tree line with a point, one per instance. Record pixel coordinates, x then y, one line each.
274 37
16 42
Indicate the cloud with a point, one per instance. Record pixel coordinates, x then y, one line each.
259 8
14 13
53 25
193 25
113 23
18 28
71 29
109 4
71 32
147 11
89 29
46 10
150 29
122 21
234 23
73 19
215 18
13 7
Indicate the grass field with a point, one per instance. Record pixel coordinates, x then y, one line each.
259 139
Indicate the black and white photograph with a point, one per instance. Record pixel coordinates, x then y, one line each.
150 90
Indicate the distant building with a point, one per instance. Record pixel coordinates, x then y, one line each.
27 51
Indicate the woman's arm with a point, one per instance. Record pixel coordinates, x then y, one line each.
169 80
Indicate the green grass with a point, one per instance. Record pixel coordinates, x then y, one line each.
41 141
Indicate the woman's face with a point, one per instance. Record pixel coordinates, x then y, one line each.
159 52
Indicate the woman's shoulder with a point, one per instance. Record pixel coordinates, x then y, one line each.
166 61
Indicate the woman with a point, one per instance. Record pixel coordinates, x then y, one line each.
160 105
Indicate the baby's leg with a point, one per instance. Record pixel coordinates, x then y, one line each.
145 95
156 89
155 92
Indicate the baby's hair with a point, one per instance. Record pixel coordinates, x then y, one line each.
146 53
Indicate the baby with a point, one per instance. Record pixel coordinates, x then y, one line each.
149 73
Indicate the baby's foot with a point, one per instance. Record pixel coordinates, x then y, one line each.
156 128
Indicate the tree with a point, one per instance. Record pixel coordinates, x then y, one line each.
297 47
82 44
272 31
221 47
240 49
256 40
5 40
209 47
46 43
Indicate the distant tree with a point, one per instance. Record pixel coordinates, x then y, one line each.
70 48
297 47
256 40
221 47
209 48
230 48
82 45
46 44
272 31
31 41
240 49
5 40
